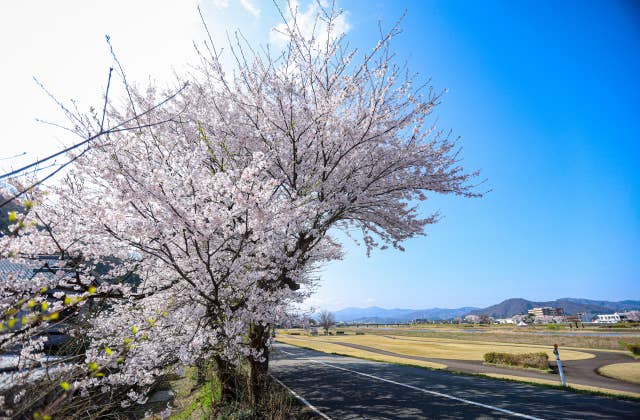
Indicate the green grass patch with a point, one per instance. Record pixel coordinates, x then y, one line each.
201 402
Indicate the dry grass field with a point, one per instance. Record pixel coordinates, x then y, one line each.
629 372
591 338
329 347
437 348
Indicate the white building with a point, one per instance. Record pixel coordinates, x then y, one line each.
609 318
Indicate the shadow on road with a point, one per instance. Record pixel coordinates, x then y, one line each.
345 394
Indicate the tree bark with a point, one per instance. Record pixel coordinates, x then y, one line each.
258 368
226 377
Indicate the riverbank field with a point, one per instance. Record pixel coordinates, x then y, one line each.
592 337
436 348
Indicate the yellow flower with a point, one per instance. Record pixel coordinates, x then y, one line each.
44 306
108 351
92 289
67 300
134 329
65 385
54 316
92 366
11 322
31 304
12 216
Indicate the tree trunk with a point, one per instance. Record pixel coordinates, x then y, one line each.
201 372
226 377
258 369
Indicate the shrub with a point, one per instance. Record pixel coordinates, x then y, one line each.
528 360
359 333
634 348
294 333
339 332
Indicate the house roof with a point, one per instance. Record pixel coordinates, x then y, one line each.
10 270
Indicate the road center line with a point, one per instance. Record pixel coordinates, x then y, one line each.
426 391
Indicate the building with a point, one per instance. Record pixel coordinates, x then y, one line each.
610 318
546 311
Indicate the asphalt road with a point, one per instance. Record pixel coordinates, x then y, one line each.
583 372
348 388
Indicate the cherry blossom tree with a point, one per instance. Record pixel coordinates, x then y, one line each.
349 132
326 320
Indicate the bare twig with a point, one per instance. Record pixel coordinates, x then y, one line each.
106 98
116 128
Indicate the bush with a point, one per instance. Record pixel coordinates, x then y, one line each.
339 332
359 333
294 333
528 360
634 348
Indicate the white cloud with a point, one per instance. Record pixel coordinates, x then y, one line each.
307 21
249 7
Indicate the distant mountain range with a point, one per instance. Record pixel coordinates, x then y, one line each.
571 306
374 314
505 309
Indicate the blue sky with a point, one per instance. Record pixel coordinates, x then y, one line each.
544 95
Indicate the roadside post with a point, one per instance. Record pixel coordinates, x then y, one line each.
560 371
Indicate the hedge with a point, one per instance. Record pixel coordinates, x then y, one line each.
528 360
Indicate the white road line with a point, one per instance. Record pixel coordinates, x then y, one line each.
426 391
302 400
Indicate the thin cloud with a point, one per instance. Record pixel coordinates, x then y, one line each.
307 21
246 4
